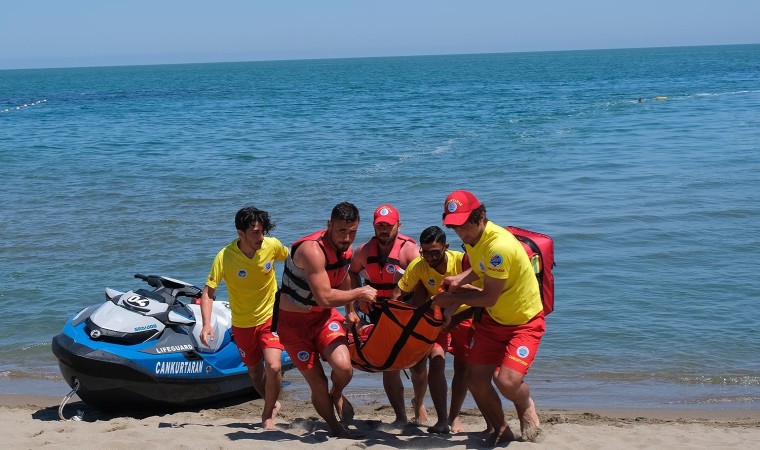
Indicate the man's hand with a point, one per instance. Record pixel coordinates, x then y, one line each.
352 320
207 335
447 314
367 294
447 300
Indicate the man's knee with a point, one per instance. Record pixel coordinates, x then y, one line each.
509 381
274 367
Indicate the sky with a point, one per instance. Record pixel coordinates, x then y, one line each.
81 33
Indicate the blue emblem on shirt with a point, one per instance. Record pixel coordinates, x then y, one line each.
496 260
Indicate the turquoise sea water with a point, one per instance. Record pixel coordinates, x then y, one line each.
653 205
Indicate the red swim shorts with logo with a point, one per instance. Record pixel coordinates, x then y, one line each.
252 341
306 335
514 346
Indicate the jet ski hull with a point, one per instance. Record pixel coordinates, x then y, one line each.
108 381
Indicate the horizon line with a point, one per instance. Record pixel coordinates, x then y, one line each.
234 61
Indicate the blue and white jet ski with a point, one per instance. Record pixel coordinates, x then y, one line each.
143 348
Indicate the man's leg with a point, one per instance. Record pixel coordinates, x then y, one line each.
480 385
419 376
438 389
272 384
458 394
339 359
394 389
512 386
322 401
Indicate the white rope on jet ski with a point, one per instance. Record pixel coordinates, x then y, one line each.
80 413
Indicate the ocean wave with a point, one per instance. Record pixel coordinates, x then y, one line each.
719 400
18 374
681 378
23 106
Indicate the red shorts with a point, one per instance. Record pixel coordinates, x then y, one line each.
457 340
505 345
306 335
252 341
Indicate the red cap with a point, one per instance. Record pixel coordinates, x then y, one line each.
387 214
458 206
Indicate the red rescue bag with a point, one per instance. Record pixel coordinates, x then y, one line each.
540 249
400 337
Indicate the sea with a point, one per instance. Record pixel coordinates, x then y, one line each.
642 164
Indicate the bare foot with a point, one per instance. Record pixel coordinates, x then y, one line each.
344 409
341 432
439 428
500 437
276 410
268 422
456 426
420 413
488 430
529 423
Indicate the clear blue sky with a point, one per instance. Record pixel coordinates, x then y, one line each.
65 33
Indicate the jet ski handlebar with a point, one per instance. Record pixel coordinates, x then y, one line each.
176 286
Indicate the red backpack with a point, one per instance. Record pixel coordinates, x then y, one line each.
540 249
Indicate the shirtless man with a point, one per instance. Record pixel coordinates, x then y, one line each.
314 284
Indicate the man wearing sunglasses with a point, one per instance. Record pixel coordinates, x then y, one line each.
427 272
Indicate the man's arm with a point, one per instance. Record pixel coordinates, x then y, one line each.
398 294
207 302
358 263
311 258
487 297
409 252
453 282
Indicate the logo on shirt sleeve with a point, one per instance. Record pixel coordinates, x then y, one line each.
496 260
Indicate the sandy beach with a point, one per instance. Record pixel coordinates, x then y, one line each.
33 422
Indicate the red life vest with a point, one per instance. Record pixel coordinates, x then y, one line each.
294 282
381 270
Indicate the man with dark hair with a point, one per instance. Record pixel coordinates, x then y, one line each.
314 284
427 272
508 334
379 263
246 265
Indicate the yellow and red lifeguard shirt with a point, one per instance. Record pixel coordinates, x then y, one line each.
498 254
251 282
420 272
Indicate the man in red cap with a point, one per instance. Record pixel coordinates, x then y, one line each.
379 263
508 334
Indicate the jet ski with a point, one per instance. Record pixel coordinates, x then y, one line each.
143 347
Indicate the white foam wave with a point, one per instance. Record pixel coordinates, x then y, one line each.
25 105
444 147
